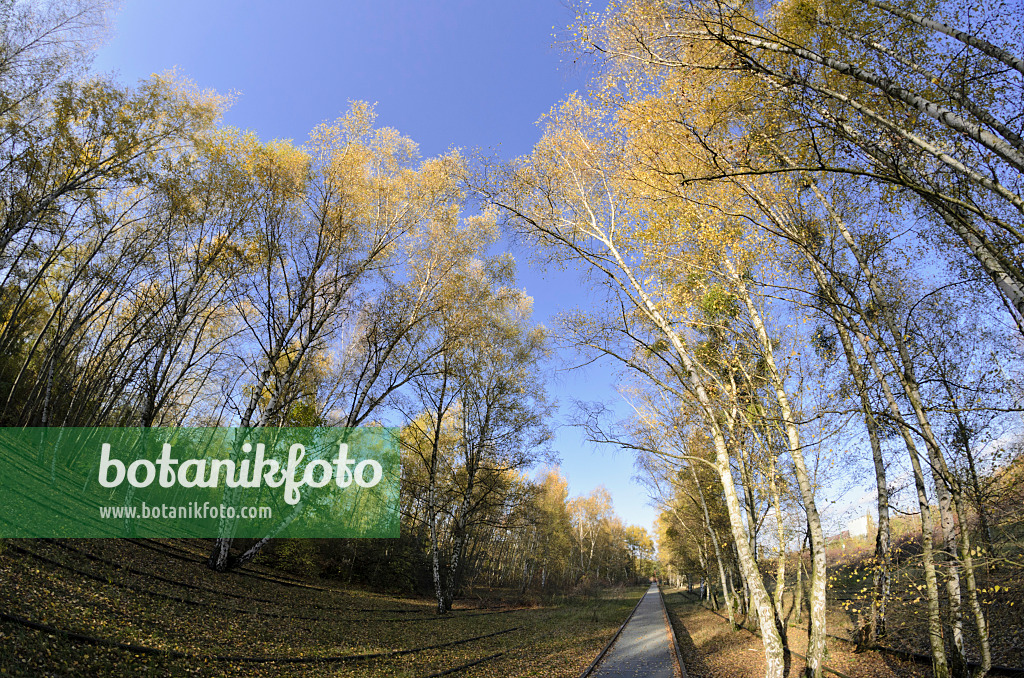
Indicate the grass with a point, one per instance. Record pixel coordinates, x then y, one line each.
135 593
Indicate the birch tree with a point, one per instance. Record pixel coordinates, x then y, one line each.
478 414
568 198
921 105
327 220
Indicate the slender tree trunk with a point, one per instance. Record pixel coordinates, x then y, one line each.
904 371
435 565
817 640
964 546
903 368
718 549
747 487
773 648
972 597
780 531
798 601
882 565
454 579
432 511
940 665
986 523
743 600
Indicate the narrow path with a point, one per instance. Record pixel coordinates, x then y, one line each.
646 646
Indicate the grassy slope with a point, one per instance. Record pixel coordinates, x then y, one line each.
849 592
223 617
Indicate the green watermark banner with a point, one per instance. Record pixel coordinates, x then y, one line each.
199 482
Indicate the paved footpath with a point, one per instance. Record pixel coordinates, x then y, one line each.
645 647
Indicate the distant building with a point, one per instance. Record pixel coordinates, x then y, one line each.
859 527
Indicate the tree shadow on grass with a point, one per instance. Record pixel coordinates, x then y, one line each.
692 660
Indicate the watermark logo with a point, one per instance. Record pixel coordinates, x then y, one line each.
199 482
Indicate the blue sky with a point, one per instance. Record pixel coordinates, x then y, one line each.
451 73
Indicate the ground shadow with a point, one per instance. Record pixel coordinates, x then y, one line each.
691 658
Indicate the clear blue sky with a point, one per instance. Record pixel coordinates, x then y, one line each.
451 73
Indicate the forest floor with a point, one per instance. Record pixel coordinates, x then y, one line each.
1001 596
145 607
711 650
142 607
